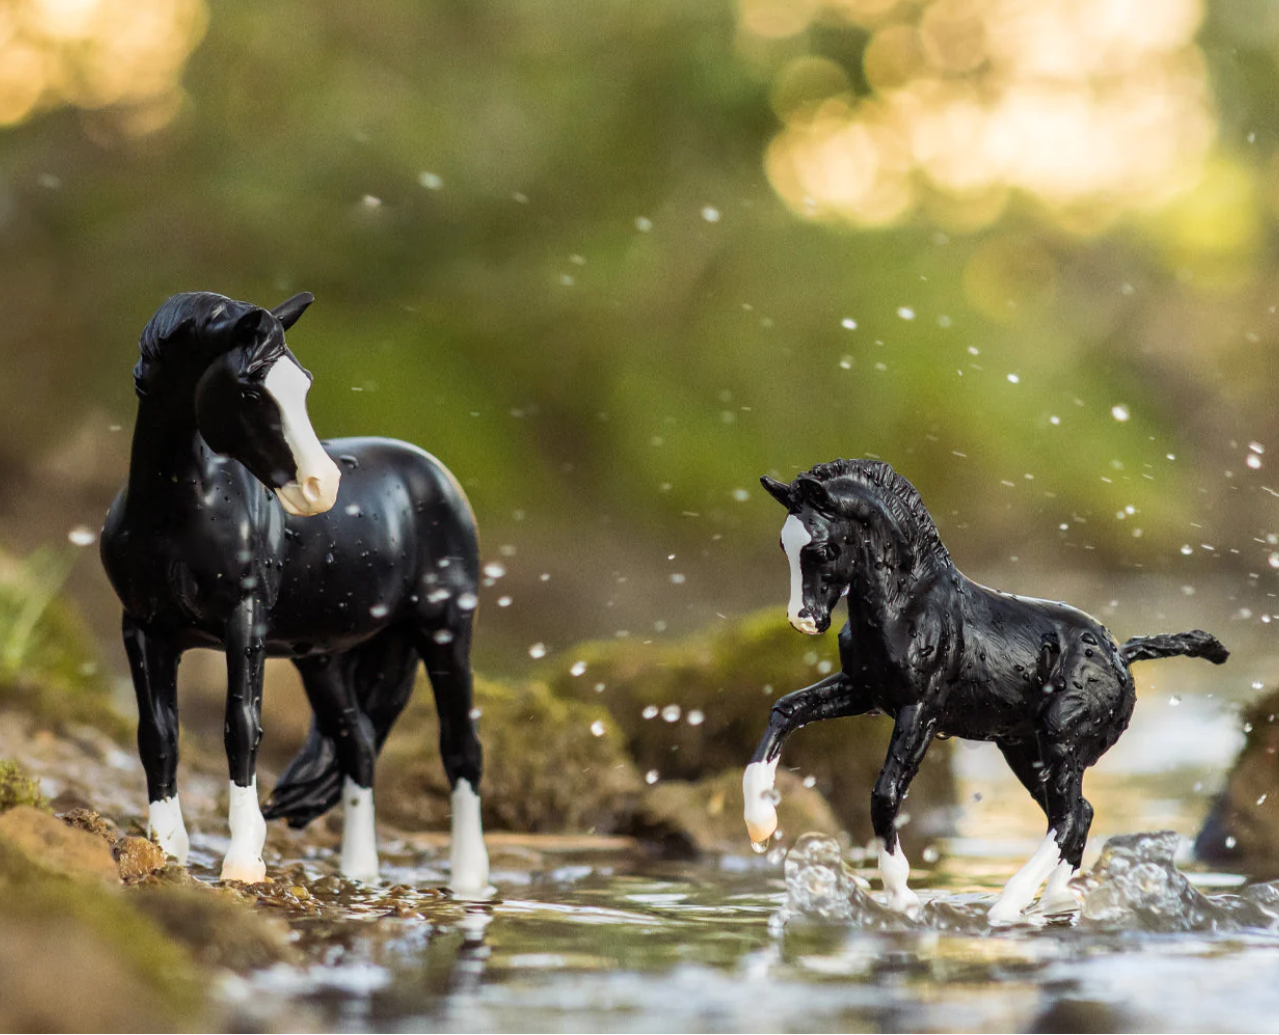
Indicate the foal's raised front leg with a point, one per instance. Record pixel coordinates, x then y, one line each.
912 734
832 698
154 664
245 657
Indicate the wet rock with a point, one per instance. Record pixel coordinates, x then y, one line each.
550 764
87 819
137 857
53 846
17 787
696 708
1241 832
688 818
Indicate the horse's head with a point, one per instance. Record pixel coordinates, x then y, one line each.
816 541
249 390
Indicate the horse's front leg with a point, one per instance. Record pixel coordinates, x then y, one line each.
832 698
912 734
153 661
246 657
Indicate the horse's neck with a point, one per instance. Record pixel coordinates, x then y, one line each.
165 451
895 561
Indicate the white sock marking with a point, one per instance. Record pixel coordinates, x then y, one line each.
894 871
359 832
468 856
1057 898
165 828
760 798
248 834
316 487
1020 890
794 538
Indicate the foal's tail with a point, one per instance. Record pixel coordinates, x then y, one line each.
310 786
1194 644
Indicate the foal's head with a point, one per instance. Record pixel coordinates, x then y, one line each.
228 361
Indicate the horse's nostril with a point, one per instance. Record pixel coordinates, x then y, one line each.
312 490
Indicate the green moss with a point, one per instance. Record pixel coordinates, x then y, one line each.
550 764
48 663
716 690
18 787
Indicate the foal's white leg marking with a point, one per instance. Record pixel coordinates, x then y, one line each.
468 856
1057 898
359 832
757 791
248 834
894 871
165 828
316 487
794 538
1020 890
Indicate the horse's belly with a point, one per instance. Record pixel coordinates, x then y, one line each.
982 711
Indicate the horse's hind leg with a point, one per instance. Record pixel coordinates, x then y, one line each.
154 665
446 650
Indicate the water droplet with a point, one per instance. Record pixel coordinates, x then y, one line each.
379 611
651 777
494 570
467 601
538 650
906 313
430 180
1231 841
741 495
475 713
1187 549
1257 684
759 847
1014 379
442 636
1273 560
810 781
82 535
845 362
370 201
848 323
650 711
677 578
578 668
353 510
1174 700
1120 412
643 224
710 214
503 601
1253 461
696 717
599 688
1262 799
931 854
671 713
597 728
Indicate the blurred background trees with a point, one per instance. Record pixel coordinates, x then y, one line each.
612 261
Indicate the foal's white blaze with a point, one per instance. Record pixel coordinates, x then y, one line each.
165 828
468 856
757 790
359 832
248 834
1020 890
316 487
894 871
794 538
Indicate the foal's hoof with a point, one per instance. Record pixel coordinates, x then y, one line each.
904 901
1004 913
760 798
248 871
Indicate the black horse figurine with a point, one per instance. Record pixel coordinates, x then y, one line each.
945 656
238 531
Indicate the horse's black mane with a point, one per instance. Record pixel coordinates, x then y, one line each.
901 499
188 314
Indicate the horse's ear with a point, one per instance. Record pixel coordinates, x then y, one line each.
288 312
780 491
814 493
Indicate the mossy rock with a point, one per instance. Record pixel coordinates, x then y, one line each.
48 660
77 957
18 787
689 818
1241 832
550 764
697 707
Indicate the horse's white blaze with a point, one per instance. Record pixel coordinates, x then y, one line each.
165 828
468 856
248 834
794 538
315 489
1020 890
1057 898
359 832
757 791
894 871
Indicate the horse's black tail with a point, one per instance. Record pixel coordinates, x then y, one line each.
310 786
1194 644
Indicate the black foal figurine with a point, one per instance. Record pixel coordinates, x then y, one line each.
943 655
238 531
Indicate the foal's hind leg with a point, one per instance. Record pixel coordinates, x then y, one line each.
447 654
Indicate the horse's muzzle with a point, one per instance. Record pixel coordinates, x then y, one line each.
313 494
806 624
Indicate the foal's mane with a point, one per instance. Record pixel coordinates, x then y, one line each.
900 500
184 317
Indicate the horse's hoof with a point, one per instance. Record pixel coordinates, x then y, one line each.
248 871
760 812
1002 914
905 902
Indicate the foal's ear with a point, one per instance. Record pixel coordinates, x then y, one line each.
814 493
288 312
780 491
